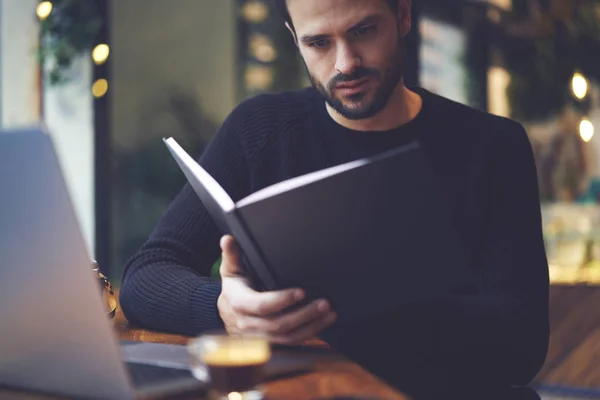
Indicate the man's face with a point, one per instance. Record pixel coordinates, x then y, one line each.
353 50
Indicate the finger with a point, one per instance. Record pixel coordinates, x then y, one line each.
291 321
237 290
231 263
305 332
287 322
263 304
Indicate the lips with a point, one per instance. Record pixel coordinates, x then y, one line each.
353 87
352 84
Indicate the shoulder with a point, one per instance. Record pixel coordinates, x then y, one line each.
271 109
474 125
258 119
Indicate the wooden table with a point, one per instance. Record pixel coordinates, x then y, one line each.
574 350
334 376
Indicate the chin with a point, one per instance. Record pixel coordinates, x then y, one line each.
359 111
357 103
357 107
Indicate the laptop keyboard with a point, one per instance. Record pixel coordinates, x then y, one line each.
143 374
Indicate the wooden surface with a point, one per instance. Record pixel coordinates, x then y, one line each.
333 377
574 353
573 357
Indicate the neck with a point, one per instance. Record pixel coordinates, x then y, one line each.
402 107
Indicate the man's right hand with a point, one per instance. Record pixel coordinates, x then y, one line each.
244 310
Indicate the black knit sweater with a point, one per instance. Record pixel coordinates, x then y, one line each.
495 336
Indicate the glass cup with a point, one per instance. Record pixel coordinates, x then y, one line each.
234 365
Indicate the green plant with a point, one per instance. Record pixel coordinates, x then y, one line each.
71 29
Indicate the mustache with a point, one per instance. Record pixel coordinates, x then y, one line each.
358 73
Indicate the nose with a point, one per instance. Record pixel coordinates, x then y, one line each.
346 60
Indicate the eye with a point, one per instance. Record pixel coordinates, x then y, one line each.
363 30
319 44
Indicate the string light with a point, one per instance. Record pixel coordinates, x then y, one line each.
262 48
255 11
43 10
100 87
258 77
586 130
100 53
579 86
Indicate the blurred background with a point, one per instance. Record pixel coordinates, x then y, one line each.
111 78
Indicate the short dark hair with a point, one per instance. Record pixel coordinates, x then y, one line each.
281 7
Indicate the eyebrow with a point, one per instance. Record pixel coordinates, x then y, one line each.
370 19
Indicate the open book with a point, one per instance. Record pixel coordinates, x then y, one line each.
374 232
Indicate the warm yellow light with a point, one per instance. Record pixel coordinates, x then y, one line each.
498 81
258 77
100 87
586 130
235 396
579 85
43 10
262 48
100 53
255 11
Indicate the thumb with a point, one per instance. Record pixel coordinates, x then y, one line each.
231 264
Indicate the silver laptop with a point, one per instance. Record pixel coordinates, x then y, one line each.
55 337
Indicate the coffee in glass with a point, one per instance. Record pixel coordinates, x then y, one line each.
234 364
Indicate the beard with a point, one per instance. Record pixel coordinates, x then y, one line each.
364 105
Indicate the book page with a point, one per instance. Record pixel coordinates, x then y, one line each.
299 181
311 177
197 175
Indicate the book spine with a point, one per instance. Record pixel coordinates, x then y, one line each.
255 263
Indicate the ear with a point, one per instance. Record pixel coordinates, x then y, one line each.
287 25
404 16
